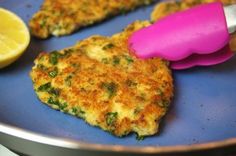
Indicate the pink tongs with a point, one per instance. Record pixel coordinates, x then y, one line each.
195 37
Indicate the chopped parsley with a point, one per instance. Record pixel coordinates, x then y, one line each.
54 91
57 27
159 92
111 88
45 87
68 80
129 59
111 118
41 67
66 52
43 22
78 111
116 60
164 103
137 111
53 58
53 101
74 110
41 58
63 106
48 88
105 60
53 73
108 46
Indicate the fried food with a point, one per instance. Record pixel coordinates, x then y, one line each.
169 7
100 81
63 17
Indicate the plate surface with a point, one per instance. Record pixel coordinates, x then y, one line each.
202 111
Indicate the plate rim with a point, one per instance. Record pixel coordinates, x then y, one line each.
14 131
27 135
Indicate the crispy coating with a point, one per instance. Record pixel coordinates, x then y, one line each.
62 17
166 8
100 81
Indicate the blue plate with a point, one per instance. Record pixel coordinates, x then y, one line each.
202 111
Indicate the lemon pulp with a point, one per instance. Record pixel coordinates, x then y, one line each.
14 37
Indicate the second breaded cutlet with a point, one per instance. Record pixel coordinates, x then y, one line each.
63 17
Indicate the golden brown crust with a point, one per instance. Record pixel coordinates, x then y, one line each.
62 17
166 8
101 82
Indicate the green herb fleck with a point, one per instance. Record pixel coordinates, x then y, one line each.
74 110
41 58
54 91
111 88
45 87
53 73
63 106
57 27
78 111
129 59
43 22
81 112
53 101
68 80
53 58
116 60
163 103
105 60
137 111
108 46
66 52
159 92
48 88
111 118
41 67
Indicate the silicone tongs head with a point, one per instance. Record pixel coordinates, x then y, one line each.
195 37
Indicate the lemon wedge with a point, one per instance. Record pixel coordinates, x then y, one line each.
14 37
